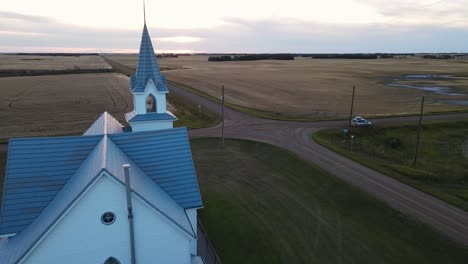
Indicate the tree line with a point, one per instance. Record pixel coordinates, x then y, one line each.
55 54
445 56
290 56
351 56
252 57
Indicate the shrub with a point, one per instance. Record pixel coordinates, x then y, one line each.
393 142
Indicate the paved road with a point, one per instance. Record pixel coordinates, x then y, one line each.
296 137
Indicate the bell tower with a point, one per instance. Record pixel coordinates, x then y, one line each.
149 91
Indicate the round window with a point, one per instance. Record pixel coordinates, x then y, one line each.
112 260
108 218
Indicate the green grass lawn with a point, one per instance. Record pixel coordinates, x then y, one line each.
2 173
266 205
190 115
442 168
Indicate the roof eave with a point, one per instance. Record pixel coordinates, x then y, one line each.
147 121
7 235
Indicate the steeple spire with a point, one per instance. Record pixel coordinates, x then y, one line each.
147 68
144 12
149 89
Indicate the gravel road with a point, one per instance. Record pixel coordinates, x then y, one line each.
296 137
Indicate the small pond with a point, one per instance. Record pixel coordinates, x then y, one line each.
440 90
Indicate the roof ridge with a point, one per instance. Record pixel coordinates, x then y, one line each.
104 124
105 139
126 142
136 171
88 157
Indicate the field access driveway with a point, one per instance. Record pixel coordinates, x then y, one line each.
296 137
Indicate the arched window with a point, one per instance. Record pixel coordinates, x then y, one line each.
111 260
150 103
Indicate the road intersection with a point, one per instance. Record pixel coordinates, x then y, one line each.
296 137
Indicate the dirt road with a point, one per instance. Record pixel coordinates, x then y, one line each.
296 137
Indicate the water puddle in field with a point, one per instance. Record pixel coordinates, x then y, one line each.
433 89
455 102
428 77
440 90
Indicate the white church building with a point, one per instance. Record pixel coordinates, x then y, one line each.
109 196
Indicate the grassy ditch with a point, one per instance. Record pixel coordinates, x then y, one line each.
265 205
442 167
3 156
190 115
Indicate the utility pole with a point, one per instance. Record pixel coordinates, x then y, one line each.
222 116
351 112
419 132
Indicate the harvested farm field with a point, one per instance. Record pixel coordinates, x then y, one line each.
51 63
60 104
321 88
131 60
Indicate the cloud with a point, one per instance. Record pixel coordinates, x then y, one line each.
180 39
449 13
40 34
16 17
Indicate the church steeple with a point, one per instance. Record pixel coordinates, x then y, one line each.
147 68
149 90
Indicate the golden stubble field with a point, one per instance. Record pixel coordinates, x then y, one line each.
33 62
60 104
315 89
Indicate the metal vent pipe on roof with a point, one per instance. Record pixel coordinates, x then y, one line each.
126 168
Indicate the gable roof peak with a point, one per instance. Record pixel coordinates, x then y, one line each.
105 124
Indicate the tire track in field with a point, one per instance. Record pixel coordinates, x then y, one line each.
17 97
125 70
110 95
124 109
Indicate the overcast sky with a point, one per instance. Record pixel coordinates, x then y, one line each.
306 26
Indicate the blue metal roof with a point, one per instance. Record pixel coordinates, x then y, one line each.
105 157
147 68
165 156
18 245
133 117
105 124
147 189
38 168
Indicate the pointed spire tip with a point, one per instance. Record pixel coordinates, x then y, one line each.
144 12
